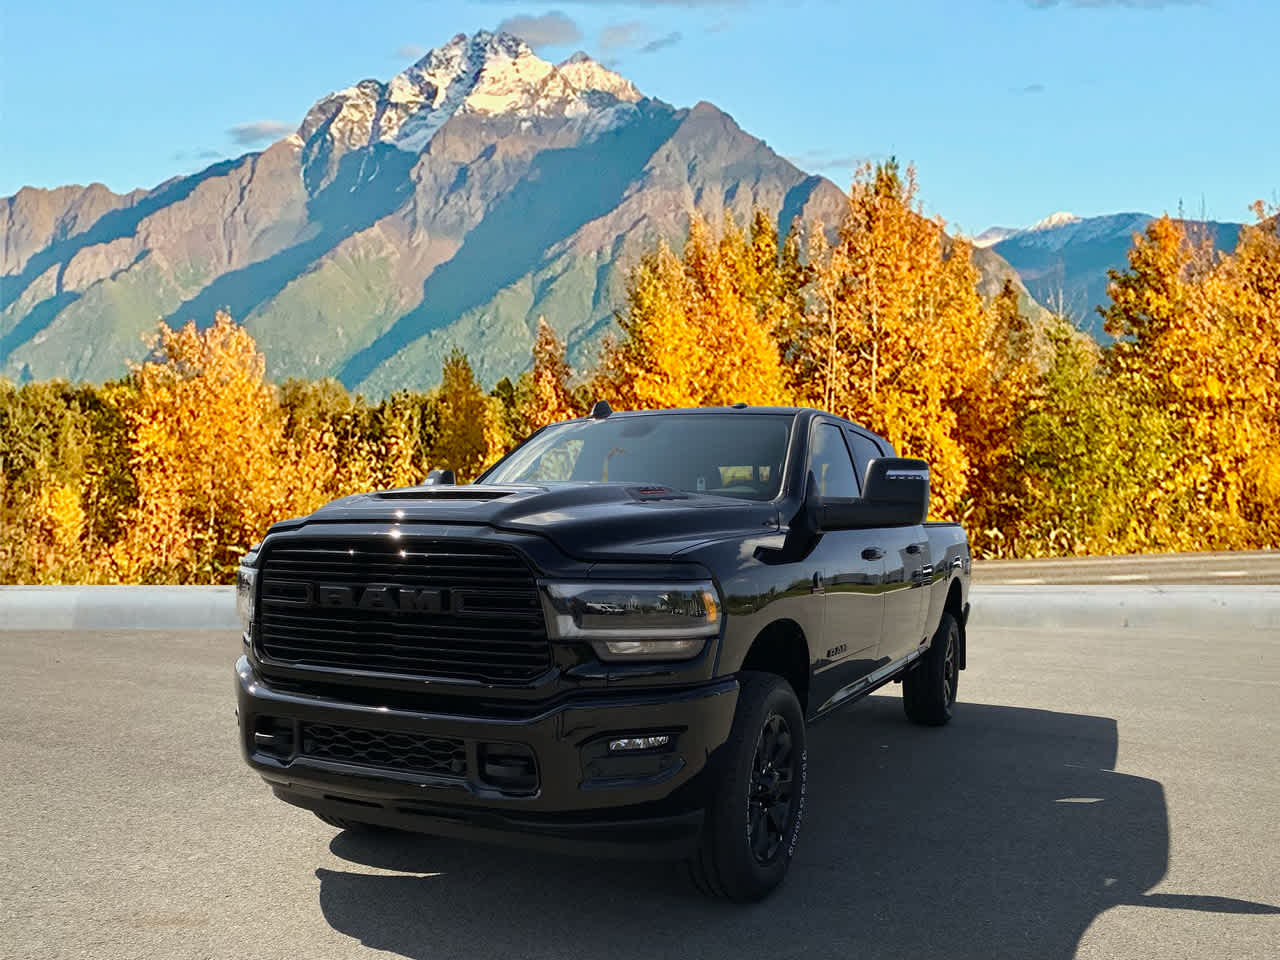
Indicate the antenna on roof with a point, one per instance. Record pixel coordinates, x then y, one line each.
601 410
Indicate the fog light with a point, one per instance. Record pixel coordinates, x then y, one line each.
638 743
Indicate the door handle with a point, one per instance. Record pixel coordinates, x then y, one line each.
872 553
913 548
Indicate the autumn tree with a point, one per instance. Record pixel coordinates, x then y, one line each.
65 479
545 394
695 332
1172 338
206 439
990 418
1249 282
895 332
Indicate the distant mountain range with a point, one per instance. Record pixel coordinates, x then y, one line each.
452 205
1063 259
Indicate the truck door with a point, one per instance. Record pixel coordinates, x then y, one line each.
907 570
849 574
908 573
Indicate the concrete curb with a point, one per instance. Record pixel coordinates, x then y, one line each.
1034 607
118 608
1181 608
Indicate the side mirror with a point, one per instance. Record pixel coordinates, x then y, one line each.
895 493
437 478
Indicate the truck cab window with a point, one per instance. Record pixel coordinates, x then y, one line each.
864 451
830 463
739 455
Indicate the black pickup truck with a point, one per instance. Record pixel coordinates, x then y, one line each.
610 642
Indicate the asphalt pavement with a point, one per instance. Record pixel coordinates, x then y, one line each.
1101 793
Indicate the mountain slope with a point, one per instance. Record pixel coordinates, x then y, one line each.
449 206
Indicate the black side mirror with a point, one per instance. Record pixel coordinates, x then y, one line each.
437 478
895 493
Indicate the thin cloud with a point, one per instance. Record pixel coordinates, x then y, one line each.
623 36
184 156
822 159
411 51
258 132
636 35
661 43
1030 89
552 29
1133 4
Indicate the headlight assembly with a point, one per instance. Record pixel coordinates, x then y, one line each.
634 621
246 580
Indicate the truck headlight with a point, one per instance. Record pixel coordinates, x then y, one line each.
246 580
634 621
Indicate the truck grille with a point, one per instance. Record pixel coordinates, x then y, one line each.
411 606
407 752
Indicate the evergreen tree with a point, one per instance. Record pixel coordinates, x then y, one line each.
469 433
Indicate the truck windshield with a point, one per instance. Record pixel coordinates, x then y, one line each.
727 454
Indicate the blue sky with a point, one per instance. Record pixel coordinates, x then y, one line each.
1011 109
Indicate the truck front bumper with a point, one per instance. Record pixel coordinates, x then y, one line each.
545 780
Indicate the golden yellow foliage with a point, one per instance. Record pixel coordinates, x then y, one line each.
693 335
57 523
207 436
1200 342
897 336
1168 439
546 396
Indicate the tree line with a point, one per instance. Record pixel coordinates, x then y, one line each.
1041 441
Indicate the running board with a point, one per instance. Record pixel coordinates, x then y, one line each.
876 678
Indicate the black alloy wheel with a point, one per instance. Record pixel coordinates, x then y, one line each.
929 686
771 796
757 783
950 671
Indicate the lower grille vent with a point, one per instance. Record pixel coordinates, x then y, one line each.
404 752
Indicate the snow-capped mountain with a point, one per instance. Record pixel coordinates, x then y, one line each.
451 205
993 235
1059 219
597 84
1063 259
486 74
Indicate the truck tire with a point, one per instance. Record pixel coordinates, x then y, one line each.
757 794
929 688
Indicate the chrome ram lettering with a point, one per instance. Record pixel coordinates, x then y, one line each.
383 597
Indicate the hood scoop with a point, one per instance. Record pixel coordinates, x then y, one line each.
656 492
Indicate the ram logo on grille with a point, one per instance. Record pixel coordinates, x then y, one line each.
384 597
444 609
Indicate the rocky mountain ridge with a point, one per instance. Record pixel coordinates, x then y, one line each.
452 205
1063 259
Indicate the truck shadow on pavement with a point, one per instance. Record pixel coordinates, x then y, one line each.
1002 835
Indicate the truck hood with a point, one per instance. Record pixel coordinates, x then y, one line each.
590 521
